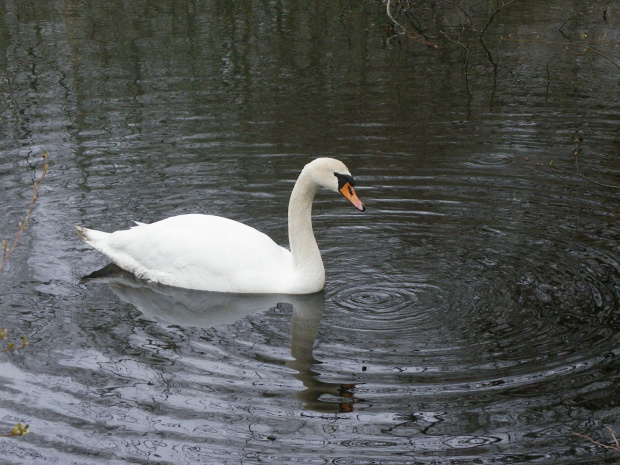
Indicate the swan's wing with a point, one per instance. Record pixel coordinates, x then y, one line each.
202 252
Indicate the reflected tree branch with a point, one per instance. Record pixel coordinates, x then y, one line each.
389 13
465 63
564 24
573 47
498 8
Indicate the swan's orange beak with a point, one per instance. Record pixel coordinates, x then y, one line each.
348 191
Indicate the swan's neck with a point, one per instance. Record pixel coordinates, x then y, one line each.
307 262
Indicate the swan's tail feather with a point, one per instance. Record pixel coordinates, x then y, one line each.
99 240
91 236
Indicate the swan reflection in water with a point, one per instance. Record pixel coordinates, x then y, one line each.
191 308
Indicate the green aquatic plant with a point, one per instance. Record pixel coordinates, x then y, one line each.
11 346
19 430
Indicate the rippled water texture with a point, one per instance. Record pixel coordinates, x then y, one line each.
471 314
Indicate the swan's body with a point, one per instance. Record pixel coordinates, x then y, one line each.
212 253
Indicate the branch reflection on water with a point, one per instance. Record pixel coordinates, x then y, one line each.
191 308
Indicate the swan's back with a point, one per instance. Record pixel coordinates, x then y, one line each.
198 252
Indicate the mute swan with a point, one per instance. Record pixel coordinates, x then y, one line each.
211 253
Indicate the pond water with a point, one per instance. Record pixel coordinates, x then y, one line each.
470 315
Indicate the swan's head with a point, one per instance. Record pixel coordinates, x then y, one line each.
335 176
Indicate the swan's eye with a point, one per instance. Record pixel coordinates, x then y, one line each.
343 179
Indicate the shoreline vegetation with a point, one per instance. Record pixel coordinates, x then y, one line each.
9 247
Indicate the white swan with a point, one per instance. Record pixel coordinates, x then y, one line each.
211 253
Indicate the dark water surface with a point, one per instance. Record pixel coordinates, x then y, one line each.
471 315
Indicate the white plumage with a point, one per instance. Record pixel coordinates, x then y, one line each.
212 253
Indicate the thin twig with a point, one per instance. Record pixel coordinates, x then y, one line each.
611 431
576 153
551 165
548 83
602 55
579 175
606 446
8 251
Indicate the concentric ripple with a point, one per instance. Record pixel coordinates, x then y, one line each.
505 298
492 159
387 308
